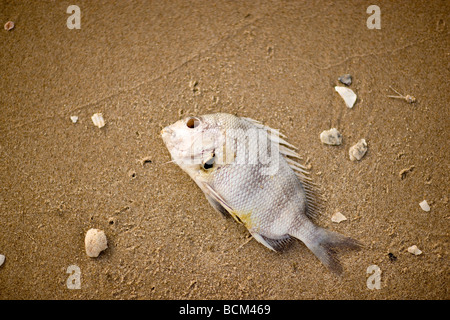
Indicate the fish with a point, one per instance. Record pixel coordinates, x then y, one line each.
248 171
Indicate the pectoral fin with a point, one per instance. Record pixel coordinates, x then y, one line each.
222 206
216 201
216 205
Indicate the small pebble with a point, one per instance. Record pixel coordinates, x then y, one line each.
98 120
346 79
347 94
358 151
331 137
2 259
338 217
414 250
424 205
74 119
9 25
95 242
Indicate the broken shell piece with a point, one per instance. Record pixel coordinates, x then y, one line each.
98 120
346 79
347 94
2 259
414 250
331 137
95 242
338 217
358 150
9 25
424 205
74 119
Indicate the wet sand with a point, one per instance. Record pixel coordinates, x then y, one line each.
273 61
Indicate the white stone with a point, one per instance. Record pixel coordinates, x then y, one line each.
338 217
347 94
424 205
98 120
2 259
358 151
95 242
331 137
414 250
74 119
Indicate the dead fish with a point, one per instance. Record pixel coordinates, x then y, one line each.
247 170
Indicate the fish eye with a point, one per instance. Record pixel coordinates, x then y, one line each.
208 164
192 122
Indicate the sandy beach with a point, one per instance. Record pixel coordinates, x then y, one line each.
147 64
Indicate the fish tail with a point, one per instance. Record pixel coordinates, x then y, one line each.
325 244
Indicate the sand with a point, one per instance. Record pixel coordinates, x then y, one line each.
143 65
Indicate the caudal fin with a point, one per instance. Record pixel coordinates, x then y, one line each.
325 244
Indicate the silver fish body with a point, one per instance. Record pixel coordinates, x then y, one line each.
249 171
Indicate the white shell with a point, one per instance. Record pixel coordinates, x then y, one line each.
98 120
74 119
95 242
358 151
414 250
9 25
338 217
2 259
331 137
347 94
424 205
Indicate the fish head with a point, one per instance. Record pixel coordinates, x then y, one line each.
193 142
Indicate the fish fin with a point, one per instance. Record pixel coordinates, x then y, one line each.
216 205
258 124
274 244
325 244
314 198
261 239
215 200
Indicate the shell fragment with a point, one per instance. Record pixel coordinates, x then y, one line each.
331 137
358 151
414 250
9 25
424 205
2 259
347 94
95 242
338 217
98 120
74 119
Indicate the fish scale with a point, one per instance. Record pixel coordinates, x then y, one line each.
249 171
